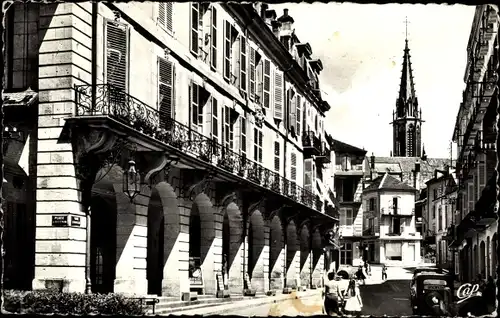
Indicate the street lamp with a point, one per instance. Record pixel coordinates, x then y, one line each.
131 181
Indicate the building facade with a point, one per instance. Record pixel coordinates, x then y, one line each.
390 221
348 184
138 149
474 242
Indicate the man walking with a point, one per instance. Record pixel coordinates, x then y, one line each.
333 296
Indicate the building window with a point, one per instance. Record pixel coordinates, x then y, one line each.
346 254
230 36
435 192
278 94
243 64
243 136
228 128
346 217
117 55
277 156
215 120
440 219
165 15
395 205
213 39
195 27
308 174
299 118
257 142
266 87
433 211
372 204
293 166
393 251
199 97
165 92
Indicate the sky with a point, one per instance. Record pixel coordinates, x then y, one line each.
361 47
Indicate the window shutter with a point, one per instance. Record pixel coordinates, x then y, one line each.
257 141
243 136
252 72
482 176
165 15
277 156
227 50
293 112
266 92
308 174
213 39
243 63
165 92
161 13
116 55
471 197
298 115
194 105
227 129
278 94
215 119
293 166
195 27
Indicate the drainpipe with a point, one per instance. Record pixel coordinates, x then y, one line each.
88 281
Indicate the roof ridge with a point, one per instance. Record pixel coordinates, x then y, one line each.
383 180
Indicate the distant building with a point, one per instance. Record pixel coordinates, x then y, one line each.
348 184
389 225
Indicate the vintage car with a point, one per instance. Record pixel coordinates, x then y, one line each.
432 293
429 270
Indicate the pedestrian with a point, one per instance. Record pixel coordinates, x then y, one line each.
368 269
384 272
353 303
360 274
333 296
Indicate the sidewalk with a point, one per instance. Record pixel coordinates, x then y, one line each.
239 304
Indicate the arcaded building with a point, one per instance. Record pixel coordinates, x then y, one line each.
149 152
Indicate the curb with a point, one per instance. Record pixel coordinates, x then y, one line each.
217 309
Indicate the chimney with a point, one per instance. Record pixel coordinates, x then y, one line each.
285 12
372 166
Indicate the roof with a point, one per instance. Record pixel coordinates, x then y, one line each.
388 182
342 147
407 164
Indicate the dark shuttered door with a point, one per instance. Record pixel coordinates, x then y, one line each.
165 92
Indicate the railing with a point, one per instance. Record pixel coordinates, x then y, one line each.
309 140
135 113
354 167
391 211
324 154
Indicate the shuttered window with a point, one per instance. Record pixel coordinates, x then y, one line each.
298 114
251 70
243 63
266 91
308 174
257 142
213 39
196 107
195 27
165 15
117 55
165 92
215 120
227 128
278 95
292 118
227 50
293 166
243 130
277 156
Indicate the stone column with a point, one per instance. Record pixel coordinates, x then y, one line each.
64 52
237 243
131 242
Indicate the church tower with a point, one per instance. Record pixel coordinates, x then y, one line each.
407 118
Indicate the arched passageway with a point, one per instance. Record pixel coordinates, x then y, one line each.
482 259
305 257
103 231
201 244
257 270
292 256
155 248
232 248
317 258
276 254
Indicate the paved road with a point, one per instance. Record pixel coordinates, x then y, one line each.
389 298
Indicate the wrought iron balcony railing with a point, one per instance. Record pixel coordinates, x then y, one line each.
311 143
124 108
324 154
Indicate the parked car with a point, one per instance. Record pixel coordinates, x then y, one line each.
431 293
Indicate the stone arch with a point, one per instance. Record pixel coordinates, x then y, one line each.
232 247
256 254
276 253
202 238
494 255
305 255
292 256
317 258
104 253
482 259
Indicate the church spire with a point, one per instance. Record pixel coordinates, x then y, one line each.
407 87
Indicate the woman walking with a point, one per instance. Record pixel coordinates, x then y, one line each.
353 303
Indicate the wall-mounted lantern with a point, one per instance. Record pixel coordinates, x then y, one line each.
131 181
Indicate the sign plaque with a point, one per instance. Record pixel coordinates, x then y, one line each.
59 220
75 221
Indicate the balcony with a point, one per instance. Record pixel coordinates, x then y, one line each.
349 170
324 155
311 144
197 148
396 212
369 232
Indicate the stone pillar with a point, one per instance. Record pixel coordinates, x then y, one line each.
237 253
276 255
131 242
60 251
305 257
